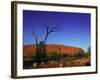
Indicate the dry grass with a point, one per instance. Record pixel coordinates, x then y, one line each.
84 61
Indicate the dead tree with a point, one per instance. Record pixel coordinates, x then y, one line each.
40 46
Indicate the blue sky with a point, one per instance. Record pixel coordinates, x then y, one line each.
75 27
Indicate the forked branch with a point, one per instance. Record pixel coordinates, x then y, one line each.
50 30
36 39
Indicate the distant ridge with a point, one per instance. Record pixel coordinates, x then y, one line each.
70 50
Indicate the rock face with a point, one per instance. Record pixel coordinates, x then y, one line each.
51 48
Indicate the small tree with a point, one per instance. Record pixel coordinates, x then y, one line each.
89 50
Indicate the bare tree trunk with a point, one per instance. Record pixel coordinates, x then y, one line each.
41 46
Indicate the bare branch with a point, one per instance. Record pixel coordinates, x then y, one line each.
50 30
47 28
36 39
54 29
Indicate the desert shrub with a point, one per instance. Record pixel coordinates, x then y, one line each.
29 56
28 60
86 55
54 55
65 55
80 55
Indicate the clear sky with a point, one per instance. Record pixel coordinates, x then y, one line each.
75 27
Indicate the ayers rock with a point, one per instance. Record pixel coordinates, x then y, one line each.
50 48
